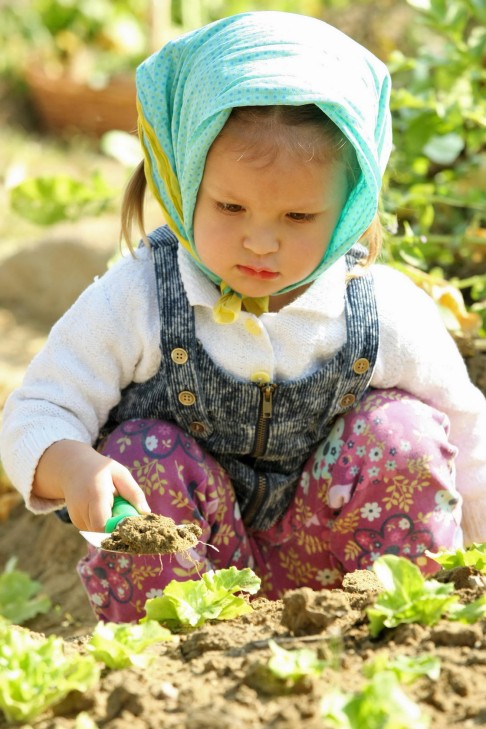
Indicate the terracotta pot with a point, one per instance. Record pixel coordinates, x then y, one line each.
63 104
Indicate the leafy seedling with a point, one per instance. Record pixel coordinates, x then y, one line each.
191 603
474 556
293 665
285 672
408 597
470 613
407 669
120 645
19 595
381 704
36 674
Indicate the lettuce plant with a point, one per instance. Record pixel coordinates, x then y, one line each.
470 613
473 556
120 645
406 668
191 603
36 674
19 595
408 597
381 704
293 665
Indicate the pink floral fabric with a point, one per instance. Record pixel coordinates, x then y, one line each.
381 483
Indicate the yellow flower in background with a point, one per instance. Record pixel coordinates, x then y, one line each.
448 299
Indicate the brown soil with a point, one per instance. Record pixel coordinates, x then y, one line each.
152 534
214 677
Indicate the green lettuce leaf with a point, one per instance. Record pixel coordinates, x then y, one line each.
36 674
406 668
19 598
51 199
191 603
473 556
119 645
470 613
293 665
381 704
408 597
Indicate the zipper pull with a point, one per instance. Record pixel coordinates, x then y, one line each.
267 400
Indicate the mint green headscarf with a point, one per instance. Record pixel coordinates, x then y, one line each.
186 92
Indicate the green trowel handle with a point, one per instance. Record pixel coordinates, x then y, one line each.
121 509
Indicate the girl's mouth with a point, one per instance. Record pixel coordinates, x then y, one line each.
261 273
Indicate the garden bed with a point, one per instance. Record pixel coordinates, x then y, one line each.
211 677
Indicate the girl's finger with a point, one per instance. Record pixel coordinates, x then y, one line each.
127 487
99 510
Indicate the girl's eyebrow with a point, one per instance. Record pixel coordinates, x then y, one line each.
215 190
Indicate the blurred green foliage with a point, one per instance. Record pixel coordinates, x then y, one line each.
104 37
433 202
94 37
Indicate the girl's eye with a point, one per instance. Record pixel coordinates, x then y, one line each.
305 217
229 207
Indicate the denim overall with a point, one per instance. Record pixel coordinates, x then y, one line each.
302 481
248 427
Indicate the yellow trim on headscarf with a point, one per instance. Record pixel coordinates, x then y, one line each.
166 173
229 305
165 170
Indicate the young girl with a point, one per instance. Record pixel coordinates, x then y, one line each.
246 368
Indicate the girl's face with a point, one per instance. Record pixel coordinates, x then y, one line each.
263 222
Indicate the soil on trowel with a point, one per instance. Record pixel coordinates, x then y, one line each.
152 534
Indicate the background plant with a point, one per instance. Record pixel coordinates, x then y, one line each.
434 201
93 39
21 597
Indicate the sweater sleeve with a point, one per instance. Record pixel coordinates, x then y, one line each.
418 355
106 340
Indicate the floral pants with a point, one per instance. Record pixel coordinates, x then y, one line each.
381 483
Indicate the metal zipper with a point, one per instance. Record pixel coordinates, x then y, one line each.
257 501
259 447
264 416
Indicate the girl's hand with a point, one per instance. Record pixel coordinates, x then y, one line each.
87 481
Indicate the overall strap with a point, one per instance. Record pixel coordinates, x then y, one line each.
178 341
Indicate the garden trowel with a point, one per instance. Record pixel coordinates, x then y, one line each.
121 510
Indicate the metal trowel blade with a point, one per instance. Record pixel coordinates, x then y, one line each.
96 538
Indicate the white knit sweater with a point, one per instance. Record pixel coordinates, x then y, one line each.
110 337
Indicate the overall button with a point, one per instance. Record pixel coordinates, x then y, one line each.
197 428
261 377
361 366
347 400
179 355
187 398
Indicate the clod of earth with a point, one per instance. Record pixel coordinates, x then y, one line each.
152 534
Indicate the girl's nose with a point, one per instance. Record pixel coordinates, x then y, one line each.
261 240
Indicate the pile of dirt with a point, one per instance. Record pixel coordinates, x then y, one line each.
152 534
